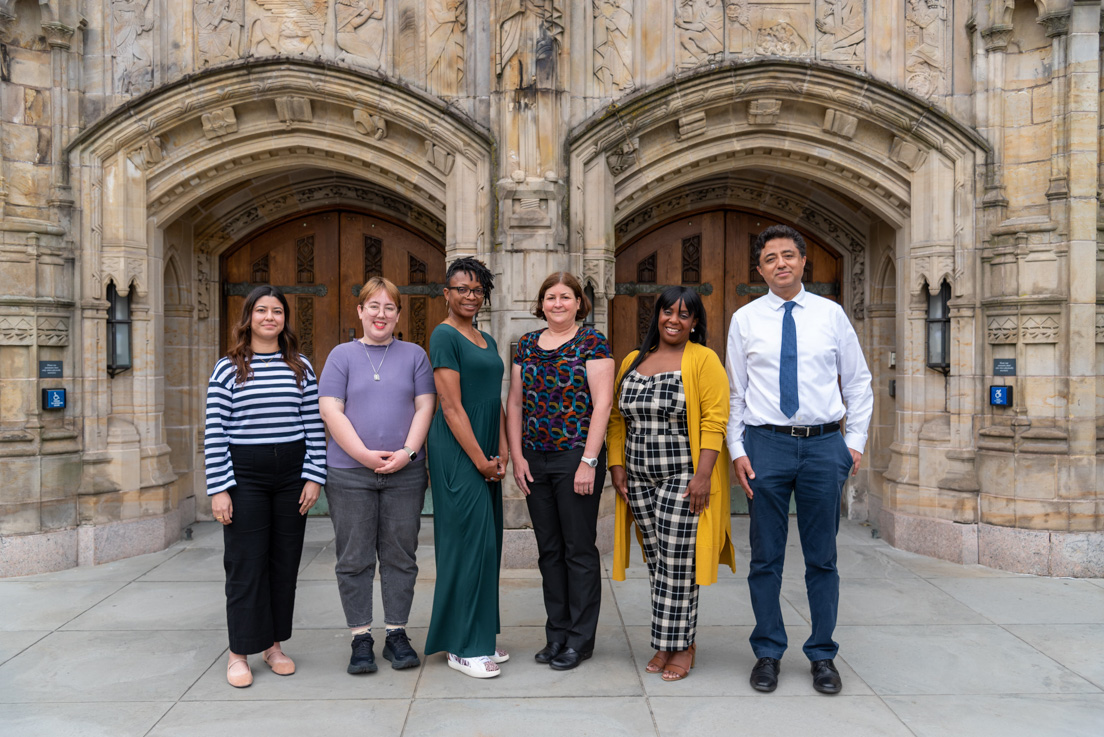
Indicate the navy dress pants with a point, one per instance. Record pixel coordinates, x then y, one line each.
814 470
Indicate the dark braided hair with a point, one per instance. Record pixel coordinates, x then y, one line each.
477 269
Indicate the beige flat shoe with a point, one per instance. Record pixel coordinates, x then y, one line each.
280 663
239 677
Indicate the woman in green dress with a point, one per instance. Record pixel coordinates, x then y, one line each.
467 461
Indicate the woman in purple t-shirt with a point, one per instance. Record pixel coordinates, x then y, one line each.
377 399
561 390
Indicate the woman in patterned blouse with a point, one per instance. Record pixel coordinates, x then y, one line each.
561 390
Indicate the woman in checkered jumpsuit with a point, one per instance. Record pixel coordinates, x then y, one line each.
669 465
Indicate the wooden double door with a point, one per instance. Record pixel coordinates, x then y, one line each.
320 261
710 251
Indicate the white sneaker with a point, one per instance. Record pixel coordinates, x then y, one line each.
499 656
477 667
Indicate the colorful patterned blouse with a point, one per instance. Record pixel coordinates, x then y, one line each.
556 404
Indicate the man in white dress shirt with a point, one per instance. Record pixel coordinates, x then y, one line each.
789 355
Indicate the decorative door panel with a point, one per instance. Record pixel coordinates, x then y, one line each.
320 261
710 251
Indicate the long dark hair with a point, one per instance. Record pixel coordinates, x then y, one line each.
670 296
241 353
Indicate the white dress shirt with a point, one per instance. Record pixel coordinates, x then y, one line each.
827 348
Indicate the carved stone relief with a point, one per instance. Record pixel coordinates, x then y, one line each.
203 284
219 122
841 32
132 46
440 157
148 155
370 125
839 123
622 156
530 35
53 331
1039 329
360 30
218 30
907 154
1100 327
779 32
293 110
1002 329
613 47
447 24
16 330
764 112
699 27
925 47
290 27
691 125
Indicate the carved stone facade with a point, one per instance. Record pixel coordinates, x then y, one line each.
922 142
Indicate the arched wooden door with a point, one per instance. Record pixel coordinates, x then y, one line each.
712 252
320 261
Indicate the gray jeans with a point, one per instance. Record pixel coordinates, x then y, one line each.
376 515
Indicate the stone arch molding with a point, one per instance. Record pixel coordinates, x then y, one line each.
157 157
883 148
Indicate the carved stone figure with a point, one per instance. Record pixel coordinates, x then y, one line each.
613 46
700 25
780 39
289 27
447 24
843 28
218 27
925 31
360 29
738 11
133 54
530 34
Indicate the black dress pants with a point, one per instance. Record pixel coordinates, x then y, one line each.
263 544
566 526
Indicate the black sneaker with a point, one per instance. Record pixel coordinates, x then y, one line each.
363 660
397 649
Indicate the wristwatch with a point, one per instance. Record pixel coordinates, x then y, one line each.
592 462
412 453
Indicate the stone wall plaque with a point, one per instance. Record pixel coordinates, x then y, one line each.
1004 367
50 369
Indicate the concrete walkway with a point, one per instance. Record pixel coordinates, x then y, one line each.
137 647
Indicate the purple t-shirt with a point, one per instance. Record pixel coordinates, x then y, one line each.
380 411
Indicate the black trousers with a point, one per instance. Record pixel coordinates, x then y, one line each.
566 526
263 544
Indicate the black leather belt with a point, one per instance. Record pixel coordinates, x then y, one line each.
803 431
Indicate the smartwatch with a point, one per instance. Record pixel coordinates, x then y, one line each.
413 453
592 462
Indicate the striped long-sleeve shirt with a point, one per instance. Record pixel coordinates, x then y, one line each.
268 408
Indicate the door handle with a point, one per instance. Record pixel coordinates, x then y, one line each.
352 334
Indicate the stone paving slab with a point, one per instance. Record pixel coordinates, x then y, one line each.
775 714
885 601
36 605
1008 715
1079 647
13 643
158 605
953 660
299 718
531 717
1030 600
128 666
104 719
125 570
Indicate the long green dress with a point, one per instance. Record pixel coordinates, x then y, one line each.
467 511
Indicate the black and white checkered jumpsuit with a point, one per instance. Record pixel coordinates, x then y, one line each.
659 465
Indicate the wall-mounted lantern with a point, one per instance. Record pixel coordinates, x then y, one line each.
118 332
939 329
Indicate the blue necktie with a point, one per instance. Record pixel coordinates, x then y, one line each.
787 365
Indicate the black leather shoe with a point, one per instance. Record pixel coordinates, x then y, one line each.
826 678
549 652
764 676
569 658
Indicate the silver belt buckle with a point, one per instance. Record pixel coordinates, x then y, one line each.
800 431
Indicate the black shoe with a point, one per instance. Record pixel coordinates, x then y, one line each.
363 660
569 658
397 649
764 676
826 678
550 651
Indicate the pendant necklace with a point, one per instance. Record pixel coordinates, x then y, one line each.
375 370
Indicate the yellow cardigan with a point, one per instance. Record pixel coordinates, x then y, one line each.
706 386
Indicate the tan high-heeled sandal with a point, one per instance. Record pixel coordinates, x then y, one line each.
678 672
658 661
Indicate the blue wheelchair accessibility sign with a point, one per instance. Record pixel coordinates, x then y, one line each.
1000 396
53 399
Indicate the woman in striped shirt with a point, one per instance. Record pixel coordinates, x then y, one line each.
265 451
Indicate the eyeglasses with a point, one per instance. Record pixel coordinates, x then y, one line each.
374 308
463 291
